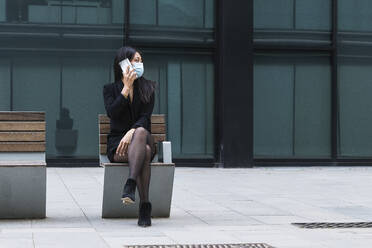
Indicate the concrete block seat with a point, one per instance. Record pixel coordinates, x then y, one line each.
22 165
116 174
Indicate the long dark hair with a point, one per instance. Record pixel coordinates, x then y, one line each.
146 87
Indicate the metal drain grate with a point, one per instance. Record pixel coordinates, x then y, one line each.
252 245
334 225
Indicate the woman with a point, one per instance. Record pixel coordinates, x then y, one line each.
129 103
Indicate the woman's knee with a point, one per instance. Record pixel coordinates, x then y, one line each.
140 133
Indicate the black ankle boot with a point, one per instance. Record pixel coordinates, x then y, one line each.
144 218
129 191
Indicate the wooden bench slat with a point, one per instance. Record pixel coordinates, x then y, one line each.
22 126
158 128
103 138
155 128
102 149
22 136
21 116
157 119
103 119
157 138
22 146
104 128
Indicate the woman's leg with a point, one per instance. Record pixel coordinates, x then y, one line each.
143 179
138 172
139 150
145 207
145 175
121 159
130 186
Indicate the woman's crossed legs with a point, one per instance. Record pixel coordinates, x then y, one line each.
139 156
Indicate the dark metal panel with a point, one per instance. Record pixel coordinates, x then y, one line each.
334 83
126 23
235 85
218 131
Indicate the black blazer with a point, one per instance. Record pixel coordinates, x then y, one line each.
125 115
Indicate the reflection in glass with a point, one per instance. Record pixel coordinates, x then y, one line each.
60 70
62 54
66 137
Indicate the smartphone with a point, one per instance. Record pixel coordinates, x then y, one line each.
124 65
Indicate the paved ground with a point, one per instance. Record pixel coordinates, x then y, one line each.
209 206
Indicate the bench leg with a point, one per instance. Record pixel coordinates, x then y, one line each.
22 192
161 188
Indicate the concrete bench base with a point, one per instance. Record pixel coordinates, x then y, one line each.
161 187
22 190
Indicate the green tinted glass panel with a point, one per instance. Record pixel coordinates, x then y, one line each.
70 91
273 14
4 85
273 110
355 118
36 86
63 68
312 109
118 11
174 106
187 100
143 12
355 15
193 107
172 22
291 107
2 10
82 12
314 14
209 13
82 84
185 13
292 14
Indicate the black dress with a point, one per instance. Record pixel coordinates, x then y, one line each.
124 114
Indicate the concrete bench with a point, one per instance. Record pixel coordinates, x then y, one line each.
116 174
22 165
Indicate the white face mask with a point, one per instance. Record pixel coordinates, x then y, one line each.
138 67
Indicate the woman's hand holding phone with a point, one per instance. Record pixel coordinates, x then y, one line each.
128 78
